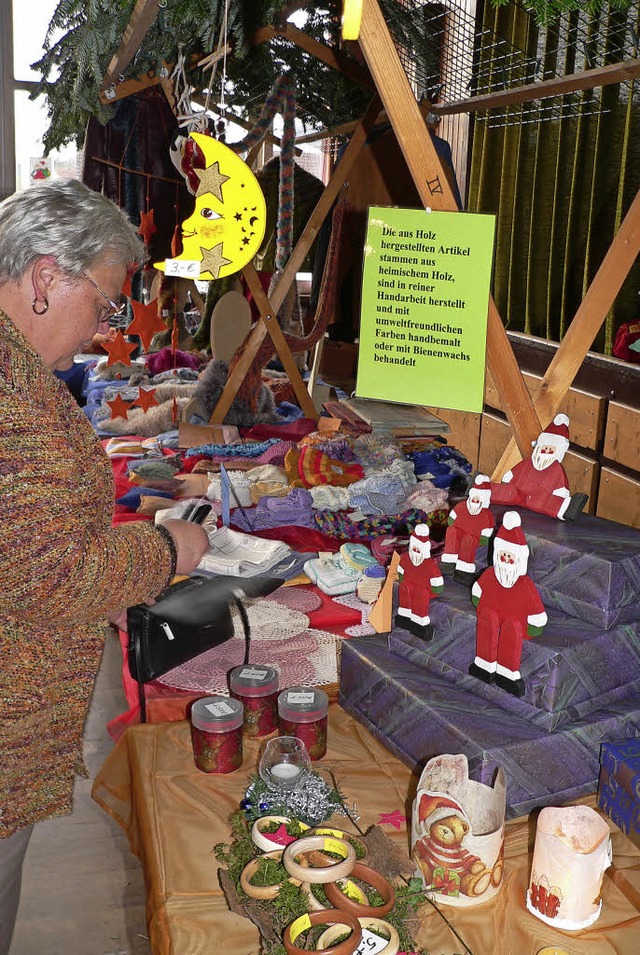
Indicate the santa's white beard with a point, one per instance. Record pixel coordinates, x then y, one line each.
474 505
542 461
507 574
417 555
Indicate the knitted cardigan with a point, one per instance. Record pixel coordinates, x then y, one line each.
63 570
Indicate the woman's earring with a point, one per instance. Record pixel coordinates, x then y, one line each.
45 306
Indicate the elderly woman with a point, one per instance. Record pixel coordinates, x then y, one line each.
64 570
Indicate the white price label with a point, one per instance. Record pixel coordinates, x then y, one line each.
300 697
371 943
249 674
184 268
220 709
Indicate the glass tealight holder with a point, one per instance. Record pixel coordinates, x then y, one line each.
284 762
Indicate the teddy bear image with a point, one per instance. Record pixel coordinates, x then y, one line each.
446 865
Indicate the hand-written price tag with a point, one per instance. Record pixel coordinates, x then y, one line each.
371 943
184 268
300 698
219 709
249 674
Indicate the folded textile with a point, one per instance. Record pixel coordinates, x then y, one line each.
251 449
328 498
307 467
239 492
427 497
267 472
376 450
275 454
356 557
370 584
331 576
235 554
338 524
380 493
294 509
260 489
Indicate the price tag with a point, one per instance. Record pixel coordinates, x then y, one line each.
184 268
249 674
220 709
300 697
371 943
333 845
299 926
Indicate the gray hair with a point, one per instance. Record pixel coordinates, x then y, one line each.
66 219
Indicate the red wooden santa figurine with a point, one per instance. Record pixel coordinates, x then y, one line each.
419 580
539 482
471 524
509 609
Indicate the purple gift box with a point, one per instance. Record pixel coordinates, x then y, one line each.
417 715
569 671
619 785
589 568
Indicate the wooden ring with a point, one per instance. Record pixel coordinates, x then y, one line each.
261 839
349 886
372 878
327 917
323 874
349 837
391 948
263 892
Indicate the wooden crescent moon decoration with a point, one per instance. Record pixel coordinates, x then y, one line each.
226 228
351 19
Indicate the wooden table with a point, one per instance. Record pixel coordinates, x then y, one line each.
174 815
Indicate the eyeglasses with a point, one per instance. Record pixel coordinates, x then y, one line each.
114 313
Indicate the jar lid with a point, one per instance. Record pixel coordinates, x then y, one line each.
303 703
216 714
253 680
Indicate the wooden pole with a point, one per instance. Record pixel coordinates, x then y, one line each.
435 192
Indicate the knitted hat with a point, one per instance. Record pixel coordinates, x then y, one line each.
557 434
315 467
511 538
481 488
434 806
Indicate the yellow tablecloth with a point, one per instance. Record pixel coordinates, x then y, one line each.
174 815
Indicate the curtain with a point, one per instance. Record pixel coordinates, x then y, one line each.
559 173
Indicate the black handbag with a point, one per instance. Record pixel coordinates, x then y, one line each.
186 620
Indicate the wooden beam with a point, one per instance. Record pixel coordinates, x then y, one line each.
556 86
340 175
585 326
142 19
435 192
244 124
334 58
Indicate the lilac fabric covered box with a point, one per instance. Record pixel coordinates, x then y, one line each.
418 714
619 785
589 568
570 670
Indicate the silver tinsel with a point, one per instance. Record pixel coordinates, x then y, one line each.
313 800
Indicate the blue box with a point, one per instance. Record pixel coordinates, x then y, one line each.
619 785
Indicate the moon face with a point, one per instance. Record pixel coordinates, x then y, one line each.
226 228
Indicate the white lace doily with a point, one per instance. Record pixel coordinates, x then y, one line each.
364 628
279 637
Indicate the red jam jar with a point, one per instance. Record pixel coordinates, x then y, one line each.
257 689
216 734
302 712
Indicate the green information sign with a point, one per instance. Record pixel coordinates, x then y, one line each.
425 302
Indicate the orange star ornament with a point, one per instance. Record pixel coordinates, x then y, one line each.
146 399
119 407
147 226
146 322
119 350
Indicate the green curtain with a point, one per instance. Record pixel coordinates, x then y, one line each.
560 173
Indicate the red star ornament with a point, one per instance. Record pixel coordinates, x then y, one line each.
119 407
395 819
281 837
147 226
126 288
119 350
146 399
146 322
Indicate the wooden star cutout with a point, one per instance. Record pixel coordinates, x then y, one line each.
281 837
211 180
213 260
146 399
147 226
146 322
395 819
119 407
119 350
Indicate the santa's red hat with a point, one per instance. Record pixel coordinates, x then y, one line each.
481 488
511 538
557 434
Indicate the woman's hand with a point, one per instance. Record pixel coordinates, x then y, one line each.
192 543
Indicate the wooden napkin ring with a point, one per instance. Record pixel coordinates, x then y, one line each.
366 874
323 874
328 917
